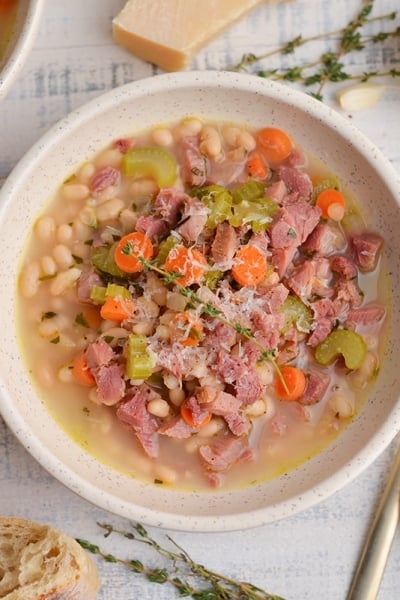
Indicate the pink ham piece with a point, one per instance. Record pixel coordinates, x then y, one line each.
133 412
366 247
194 164
223 452
317 384
103 179
168 204
224 245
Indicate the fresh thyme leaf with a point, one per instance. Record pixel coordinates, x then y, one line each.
48 315
81 320
189 578
329 66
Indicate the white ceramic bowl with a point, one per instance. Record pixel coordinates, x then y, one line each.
21 41
226 96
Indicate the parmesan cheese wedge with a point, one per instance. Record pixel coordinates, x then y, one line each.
168 33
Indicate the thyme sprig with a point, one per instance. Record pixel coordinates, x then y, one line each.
212 311
329 66
189 578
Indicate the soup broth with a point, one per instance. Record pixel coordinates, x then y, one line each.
202 305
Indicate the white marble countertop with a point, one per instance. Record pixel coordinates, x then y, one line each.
308 556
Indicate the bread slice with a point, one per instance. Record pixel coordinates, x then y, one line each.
38 562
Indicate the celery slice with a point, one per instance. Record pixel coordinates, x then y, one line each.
98 294
157 163
139 362
114 291
248 191
297 314
166 246
342 342
103 259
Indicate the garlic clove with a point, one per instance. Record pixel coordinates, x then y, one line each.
360 96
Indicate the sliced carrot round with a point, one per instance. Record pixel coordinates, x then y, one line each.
295 381
274 144
249 266
189 263
81 371
332 204
130 249
188 417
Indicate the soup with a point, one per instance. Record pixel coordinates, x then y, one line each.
8 13
202 305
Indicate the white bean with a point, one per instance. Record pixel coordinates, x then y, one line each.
64 280
86 172
64 233
341 404
29 281
156 290
74 192
212 428
231 136
158 407
177 396
187 127
364 374
111 157
45 228
170 381
210 142
143 188
87 218
143 328
48 328
48 265
246 140
128 220
162 136
265 373
256 409
162 332
65 374
110 209
176 301
63 256
44 374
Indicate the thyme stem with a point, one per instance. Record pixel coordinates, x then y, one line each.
190 579
328 67
212 311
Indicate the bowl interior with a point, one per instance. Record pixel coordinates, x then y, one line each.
22 36
166 98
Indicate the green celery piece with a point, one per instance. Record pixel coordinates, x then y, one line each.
297 314
212 277
219 201
157 163
139 363
248 191
98 294
166 246
258 213
103 260
113 291
342 342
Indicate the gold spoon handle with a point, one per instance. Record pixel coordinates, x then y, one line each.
372 562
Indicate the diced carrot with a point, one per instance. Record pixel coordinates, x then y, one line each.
130 249
116 309
92 316
188 417
295 381
274 144
81 371
189 263
332 204
256 167
249 266
186 329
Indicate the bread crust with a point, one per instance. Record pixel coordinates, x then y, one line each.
38 562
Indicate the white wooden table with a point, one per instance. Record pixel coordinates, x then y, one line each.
311 555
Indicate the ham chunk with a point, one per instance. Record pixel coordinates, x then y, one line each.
317 384
366 247
133 412
194 164
223 452
224 245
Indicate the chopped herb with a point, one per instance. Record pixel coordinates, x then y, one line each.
81 320
55 340
48 315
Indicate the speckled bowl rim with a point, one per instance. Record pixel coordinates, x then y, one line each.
212 518
21 48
